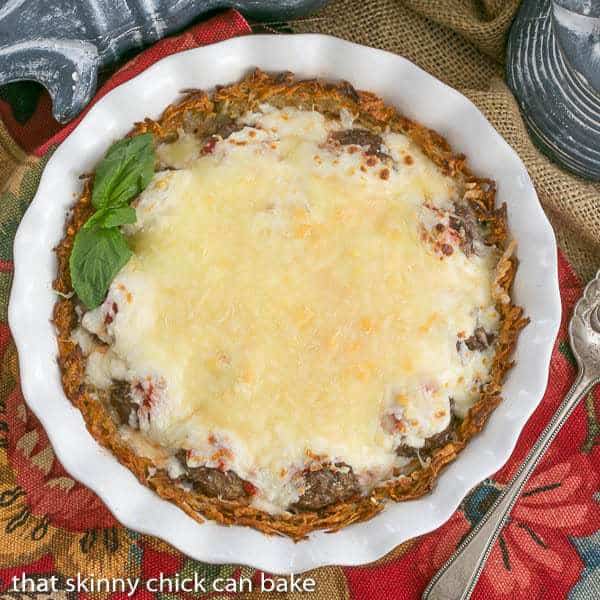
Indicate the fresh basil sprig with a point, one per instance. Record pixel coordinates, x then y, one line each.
111 216
97 256
100 249
124 172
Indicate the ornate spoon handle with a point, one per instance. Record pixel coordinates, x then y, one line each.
457 578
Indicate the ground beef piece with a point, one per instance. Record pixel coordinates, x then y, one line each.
227 127
326 486
204 127
223 129
214 482
364 138
348 90
439 440
120 399
217 484
480 340
283 77
465 223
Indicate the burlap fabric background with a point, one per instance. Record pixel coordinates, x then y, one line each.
462 43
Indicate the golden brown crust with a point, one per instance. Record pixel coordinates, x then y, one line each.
203 114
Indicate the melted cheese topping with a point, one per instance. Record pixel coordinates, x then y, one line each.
282 302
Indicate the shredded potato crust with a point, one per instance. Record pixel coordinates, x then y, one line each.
232 101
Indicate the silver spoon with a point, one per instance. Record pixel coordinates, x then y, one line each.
457 578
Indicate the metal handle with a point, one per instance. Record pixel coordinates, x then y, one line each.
457 578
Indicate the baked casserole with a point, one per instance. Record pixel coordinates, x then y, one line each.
311 312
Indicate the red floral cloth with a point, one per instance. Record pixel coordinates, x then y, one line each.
52 525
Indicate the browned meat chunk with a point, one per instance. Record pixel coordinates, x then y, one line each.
439 440
120 399
465 223
480 340
214 482
348 90
204 128
227 127
326 486
371 142
217 484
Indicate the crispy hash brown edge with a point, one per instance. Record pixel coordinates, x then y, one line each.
205 111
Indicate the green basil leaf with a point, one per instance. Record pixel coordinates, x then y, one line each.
111 216
100 249
124 172
97 256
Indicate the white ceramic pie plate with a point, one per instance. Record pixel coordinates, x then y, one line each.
420 97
